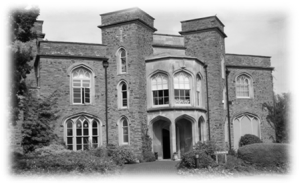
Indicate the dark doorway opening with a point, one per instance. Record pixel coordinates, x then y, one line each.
166 144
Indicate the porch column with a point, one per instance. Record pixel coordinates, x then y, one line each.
173 137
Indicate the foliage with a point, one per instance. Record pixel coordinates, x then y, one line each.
80 161
22 51
208 147
232 152
188 160
52 149
148 156
122 155
264 154
38 122
248 139
278 116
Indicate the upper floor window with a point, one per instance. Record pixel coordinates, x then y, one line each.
182 88
123 94
243 86
122 60
81 86
160 90
198 92
82 132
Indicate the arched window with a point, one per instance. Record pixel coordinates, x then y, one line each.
81 86
124 131
160 90
182 88
123 95
243 86
82 132
198 92
122 60
245 124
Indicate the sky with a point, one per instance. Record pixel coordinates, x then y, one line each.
268 29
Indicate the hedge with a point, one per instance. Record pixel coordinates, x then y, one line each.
265 154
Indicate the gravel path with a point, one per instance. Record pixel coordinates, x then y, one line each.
161 168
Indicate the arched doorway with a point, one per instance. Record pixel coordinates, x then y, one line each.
162 139
245 124
184 136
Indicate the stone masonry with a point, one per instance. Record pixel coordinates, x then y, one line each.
198 53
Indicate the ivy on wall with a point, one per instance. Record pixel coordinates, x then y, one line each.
39 118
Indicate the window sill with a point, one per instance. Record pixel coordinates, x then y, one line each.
123 108
244 98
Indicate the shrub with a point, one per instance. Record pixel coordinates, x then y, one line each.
209 147
248 139
264 154
122 155
232 152
188 160
148 156
81 161
99 152
52 149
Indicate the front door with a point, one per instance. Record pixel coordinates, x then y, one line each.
166 144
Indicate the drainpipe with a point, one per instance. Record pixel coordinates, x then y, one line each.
228 111
105 65
207 101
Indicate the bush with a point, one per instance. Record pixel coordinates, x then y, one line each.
232 152
81 161
209 147
248 139
188 160
148 156
265 154
99 152
52 149
122 155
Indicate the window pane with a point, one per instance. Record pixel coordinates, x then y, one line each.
155 94
76 83
69 124
79 140
160 93
70 147
79 132
87 95
123 64
125 138
86 83
155 101
181 93
95 124
187 93
176 92
166 100
77 95
69 132
85 140
166 92
69 140
85 132
79 147
123 53
125 123
95 139
95 132
153 82
160 101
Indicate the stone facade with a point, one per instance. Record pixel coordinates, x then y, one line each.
174 85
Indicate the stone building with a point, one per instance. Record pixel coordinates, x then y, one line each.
174 85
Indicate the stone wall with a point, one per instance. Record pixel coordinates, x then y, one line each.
208 46
262 91
201 23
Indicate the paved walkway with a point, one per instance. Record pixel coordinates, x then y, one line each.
161 168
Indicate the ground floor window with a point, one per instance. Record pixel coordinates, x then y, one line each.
245 124
82 132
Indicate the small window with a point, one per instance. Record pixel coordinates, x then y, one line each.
243 86
124 131
182 88
81 86
122 95
122 60
198 92
160 90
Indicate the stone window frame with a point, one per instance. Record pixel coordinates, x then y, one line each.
251 90
168 85
119 61
90 119
251 116
121 130
202 130
120 95
191 81
92 86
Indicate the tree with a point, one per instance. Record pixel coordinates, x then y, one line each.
278 116
22 46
